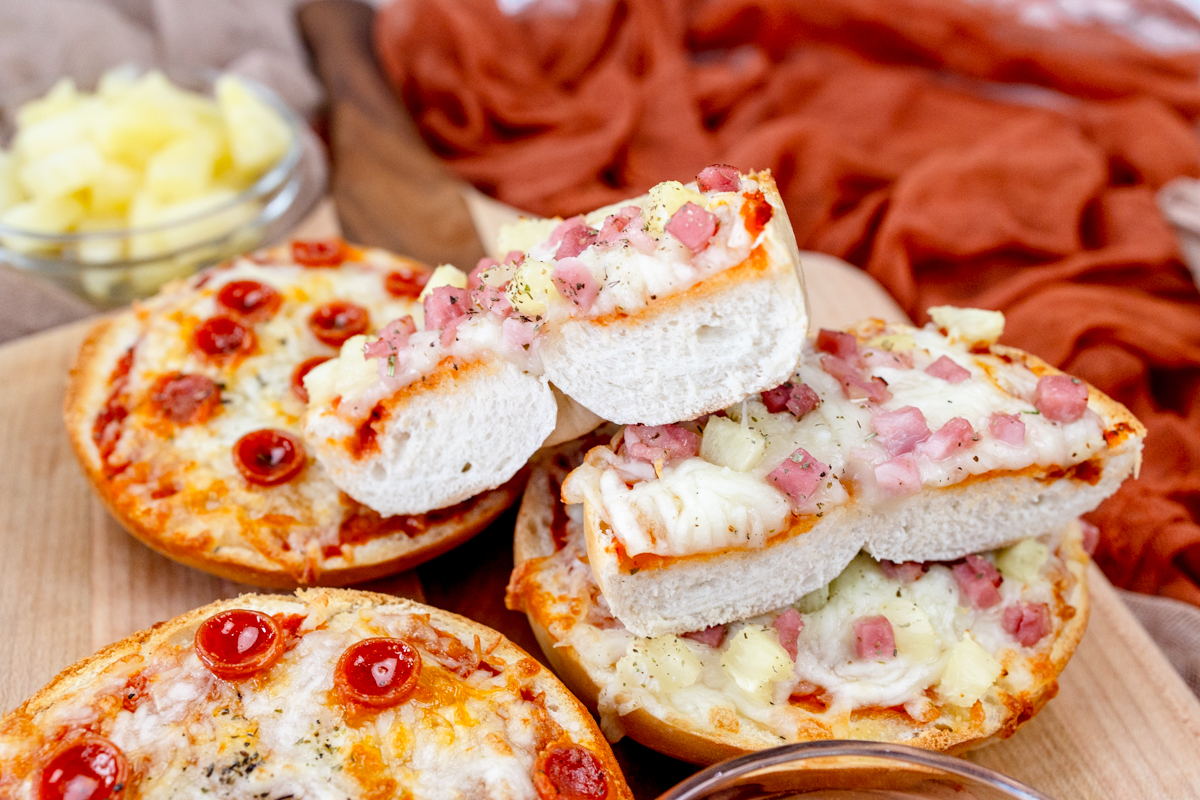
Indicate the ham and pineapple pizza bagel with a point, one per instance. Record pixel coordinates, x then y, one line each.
940 655
330 693
657 309
185 414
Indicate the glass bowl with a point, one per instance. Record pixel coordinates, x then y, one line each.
847 770
147 257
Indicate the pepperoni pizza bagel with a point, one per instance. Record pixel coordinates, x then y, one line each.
185 414
944 656
327 694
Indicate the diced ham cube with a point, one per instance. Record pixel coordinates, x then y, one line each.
1028 623
802 400
798 398
710 636
899 477
613 229
854 385
948 370
776 399
666 442
474 278
574 237
978 580
693 226
1091 536
576 283
874 638
838 343
957 434
492 299
719 178
900 431
788 625
905 571
450 331
1061 398
1007 428
392 339
518 333
799 477
873 357
444 304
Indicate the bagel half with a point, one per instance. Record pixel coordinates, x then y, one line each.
175 485
707 722
706 541
480 719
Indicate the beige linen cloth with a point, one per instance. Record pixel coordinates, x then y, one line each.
42 39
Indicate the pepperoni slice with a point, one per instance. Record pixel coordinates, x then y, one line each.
184 399
335 322
377 672
269 457
569 772
320 252
238 643
91 768
222 336
303 369
406 282
250 300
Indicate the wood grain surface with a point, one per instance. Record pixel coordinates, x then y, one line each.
1123 726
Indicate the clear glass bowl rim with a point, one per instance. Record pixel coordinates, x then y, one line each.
264 185
716 776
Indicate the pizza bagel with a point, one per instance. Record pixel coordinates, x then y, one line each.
944 656
330 693
661 308
185 414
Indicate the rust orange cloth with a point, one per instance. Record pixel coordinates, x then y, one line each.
902 142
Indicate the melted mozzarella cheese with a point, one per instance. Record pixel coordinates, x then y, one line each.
694 507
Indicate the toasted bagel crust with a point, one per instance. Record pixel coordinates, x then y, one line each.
996 716
23 735
207 535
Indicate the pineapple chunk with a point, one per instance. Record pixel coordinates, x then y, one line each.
444 275
970 672
144 120
728 444
49 135
1023 561
893 342
915 637
10 189
258 135
183 170
660 664
63 96
57 215
530 291
62 172
350 373
969 325
665 199
524 234
111 190
755 660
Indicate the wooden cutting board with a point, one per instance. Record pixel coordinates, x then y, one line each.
1123 726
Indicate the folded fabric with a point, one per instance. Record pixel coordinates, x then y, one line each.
954 152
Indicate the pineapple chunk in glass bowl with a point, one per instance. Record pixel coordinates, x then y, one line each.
112 190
